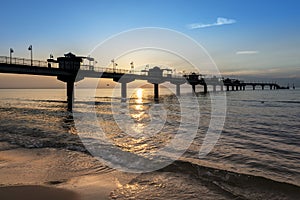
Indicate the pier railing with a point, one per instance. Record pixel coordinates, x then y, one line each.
39 63
101 69
121 71
23 61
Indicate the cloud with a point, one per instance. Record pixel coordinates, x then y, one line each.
275 72
220 21
246 52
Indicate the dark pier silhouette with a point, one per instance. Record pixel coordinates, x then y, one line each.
70 69
236 84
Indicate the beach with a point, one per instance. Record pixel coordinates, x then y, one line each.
52 174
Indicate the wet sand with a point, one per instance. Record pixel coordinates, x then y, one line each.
55 174
31 192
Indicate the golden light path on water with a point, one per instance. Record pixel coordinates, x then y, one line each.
139 113
139 100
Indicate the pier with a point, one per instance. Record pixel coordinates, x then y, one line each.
68 67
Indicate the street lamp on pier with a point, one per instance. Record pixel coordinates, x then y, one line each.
30 49
10 54
114 65
131 67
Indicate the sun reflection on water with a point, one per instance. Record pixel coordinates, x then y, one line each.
138 111
139 99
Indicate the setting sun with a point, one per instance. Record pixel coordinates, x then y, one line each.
139 93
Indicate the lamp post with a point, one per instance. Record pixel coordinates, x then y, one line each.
131 67
114 65
10 54
30 49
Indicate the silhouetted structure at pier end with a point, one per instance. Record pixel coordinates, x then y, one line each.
67 69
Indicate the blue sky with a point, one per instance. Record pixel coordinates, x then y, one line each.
261 38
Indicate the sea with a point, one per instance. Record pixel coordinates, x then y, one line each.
255 156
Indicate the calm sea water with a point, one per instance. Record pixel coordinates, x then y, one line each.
261 135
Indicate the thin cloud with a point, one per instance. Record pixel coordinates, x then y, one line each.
220 21
246 52
279 72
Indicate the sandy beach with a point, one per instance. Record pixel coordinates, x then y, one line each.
55 174
47 173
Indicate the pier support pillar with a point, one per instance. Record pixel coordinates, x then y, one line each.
262 87
123 91
237 87
227 87
205 88
214 88
253 87
70 94
244 87
241 87
193 89
232 87
177 89
123 81
156 92
271 87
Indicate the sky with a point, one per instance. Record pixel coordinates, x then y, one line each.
248 38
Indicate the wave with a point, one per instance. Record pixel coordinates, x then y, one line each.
296 102
240 186
266 101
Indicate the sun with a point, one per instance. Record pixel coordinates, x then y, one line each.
139 93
